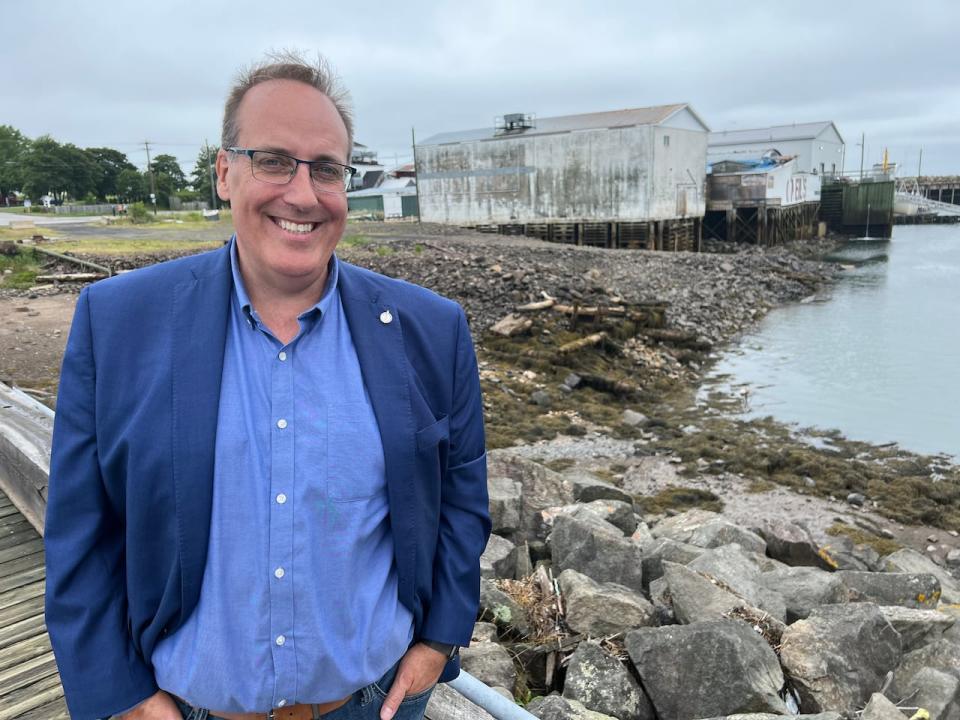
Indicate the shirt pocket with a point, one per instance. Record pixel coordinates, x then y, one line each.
355 465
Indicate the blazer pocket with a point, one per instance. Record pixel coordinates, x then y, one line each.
431 435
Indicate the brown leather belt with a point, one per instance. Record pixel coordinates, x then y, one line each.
291 712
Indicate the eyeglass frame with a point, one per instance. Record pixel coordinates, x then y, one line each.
351 171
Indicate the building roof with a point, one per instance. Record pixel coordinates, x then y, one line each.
777 133
568 123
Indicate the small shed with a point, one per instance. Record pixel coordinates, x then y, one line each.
392 198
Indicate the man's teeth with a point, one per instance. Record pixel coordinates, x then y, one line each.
295 227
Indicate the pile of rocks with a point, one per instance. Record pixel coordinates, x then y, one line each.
714 296
693 616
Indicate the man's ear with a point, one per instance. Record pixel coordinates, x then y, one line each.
223 167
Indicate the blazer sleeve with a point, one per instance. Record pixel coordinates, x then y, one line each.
86 600
464 507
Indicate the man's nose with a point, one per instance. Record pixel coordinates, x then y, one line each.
300 189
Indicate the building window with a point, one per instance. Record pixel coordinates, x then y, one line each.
666 141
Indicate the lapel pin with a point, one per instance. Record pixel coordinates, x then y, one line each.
385 317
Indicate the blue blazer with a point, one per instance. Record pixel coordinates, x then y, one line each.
131 474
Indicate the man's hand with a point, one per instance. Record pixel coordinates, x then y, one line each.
158 706
419 669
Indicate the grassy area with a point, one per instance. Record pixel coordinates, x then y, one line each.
120 246
19 271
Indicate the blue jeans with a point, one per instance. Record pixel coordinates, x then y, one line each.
364 704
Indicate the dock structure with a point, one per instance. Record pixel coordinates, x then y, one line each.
762 201
940 188
622 179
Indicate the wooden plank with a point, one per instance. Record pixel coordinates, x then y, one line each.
24 650
27 548
57 710
20 631
8 509
447 704
12 524
24 577
21 611
15 565
27 592
27 673
29 698
22 536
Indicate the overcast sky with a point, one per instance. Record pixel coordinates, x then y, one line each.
99 73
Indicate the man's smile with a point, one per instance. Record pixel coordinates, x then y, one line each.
294 227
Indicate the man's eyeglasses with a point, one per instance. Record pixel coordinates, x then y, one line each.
279 169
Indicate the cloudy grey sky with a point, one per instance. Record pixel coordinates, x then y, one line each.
98 73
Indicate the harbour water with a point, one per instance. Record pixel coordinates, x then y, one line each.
878 358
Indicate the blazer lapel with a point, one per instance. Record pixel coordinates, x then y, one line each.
200 306
375 326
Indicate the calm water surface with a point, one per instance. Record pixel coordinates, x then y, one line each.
879 360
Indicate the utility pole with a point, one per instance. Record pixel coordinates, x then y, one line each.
919 164
863 139
213 178
416 176
153 184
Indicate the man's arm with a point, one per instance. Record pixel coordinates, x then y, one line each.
86 599
462 537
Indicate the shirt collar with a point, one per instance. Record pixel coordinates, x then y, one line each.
240 290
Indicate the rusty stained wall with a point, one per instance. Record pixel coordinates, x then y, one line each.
587 175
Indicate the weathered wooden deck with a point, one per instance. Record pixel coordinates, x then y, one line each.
29 683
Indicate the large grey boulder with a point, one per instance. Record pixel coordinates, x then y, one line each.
602 683
740 574
505 497
916 627
942 655
617 513
705 669
490 664
937 692
498 607
910 590
880 708
694 598
769 716
484 631
804 588
554 707
654 553
844 554
498 559
596 549
662 602
838 656
602 609
910 561
792 544
708 530
587 487
650 474
540 487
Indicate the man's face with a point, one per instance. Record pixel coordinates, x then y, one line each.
285 233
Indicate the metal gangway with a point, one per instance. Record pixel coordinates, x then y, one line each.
909 200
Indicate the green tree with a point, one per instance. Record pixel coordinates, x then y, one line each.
200 177
167 166
132 185
108 163
60 170
13 145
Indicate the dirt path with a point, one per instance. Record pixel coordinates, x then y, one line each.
33 334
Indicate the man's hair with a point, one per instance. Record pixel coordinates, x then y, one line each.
287 65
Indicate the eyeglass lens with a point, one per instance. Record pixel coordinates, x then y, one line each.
276 168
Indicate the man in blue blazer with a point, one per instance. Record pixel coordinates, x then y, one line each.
268 483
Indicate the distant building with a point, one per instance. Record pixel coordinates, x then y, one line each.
642 165
393 195
369 170
817 147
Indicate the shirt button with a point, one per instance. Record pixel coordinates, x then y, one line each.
278 572
282 356
281 639
281 423
281 498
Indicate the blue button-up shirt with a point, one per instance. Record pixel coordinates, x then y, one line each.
299 599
